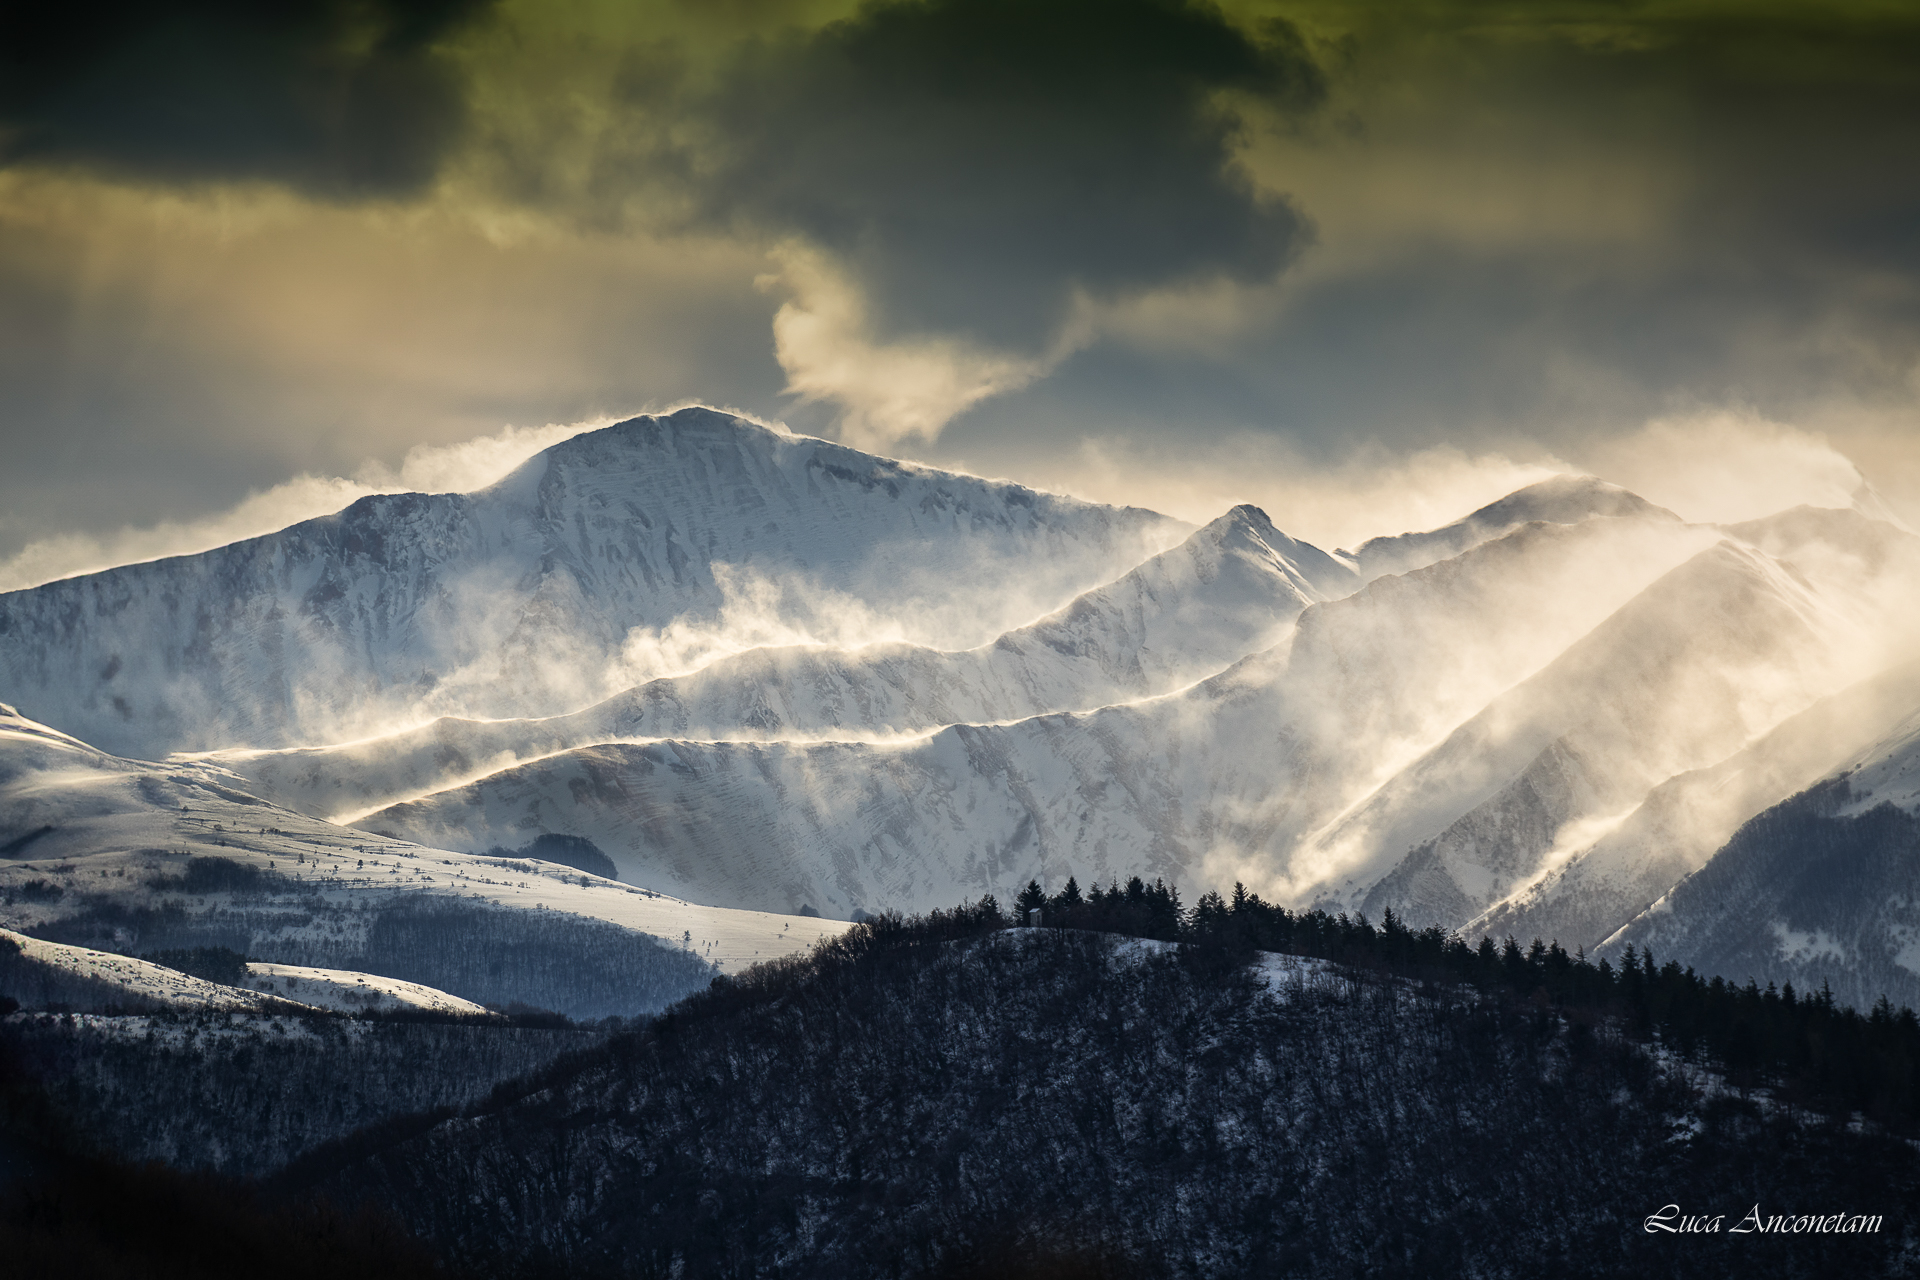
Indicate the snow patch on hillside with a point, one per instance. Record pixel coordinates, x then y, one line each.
90 833
348 992
1799 946
139 981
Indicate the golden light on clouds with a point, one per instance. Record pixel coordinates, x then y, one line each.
1082 244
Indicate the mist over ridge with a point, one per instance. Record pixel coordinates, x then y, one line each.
404 603
762 670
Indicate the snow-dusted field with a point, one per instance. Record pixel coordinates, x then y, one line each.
347 992
98 842
138 980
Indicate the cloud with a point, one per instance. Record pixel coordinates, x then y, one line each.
164 354
469 464
1711 466
1724 466
756 612
889 392
974 165
1551 227
1341 504
455 468
338 98
1389 228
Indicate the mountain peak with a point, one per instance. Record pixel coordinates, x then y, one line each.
1868 501
519 599
1242 522
1249 528
1560 499
690 422
1564 499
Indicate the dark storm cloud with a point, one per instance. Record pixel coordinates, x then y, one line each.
1553 223
1823 165
1801 121
339 98
974 161
1532 221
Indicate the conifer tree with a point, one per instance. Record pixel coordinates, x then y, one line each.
1068 898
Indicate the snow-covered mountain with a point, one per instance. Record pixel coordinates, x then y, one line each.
1563 499
1230 777
123 856
559 585
770 674
1668 727
1231 588
1822 889
1686 819
1713 655
1467 739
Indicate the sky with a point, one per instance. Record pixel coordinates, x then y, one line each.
1365 264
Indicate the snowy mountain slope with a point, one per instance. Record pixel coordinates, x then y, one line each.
542 592
1822 888
1564 499
1230 588
1222 778
40 973
1853 580
349 992
1889 771
120 855
1686 819
1177 618
766 672
1709 658
1386 674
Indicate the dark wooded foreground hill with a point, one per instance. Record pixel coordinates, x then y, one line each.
913 1101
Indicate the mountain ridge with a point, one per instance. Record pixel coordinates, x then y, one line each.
1177 617
522 595
1491 723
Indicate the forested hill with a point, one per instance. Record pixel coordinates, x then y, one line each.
953 1097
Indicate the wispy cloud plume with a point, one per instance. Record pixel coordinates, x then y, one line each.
1711 466
1727 465
468 464
1371 492
889 392
757 612
452 468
